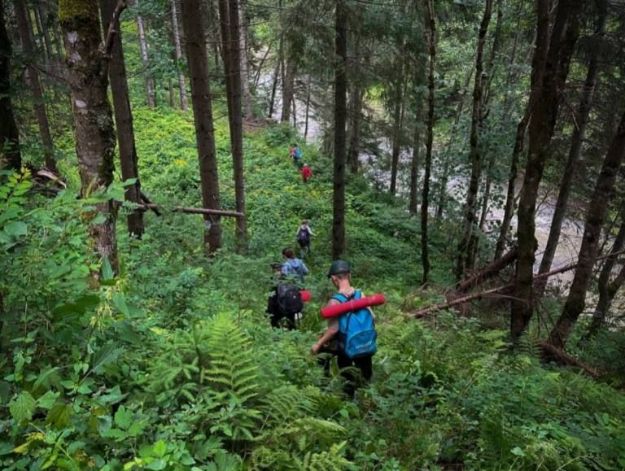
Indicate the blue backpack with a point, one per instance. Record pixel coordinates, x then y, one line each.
357 335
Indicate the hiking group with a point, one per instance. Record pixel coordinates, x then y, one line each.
305 171
349 336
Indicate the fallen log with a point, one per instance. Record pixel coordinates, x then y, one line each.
180 209
488 272
551 353
498 290
146 200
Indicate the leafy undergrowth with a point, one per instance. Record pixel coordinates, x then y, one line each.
173 365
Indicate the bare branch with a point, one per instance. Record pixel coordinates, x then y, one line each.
111 31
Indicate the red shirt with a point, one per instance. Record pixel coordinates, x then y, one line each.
306 173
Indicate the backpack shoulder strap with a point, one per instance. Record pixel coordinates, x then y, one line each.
340 297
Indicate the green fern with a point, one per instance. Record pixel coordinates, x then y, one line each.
231 377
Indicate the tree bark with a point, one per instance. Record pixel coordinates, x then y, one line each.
595 217
547 82
415 164
184 102
123 119
398 106
203 117
581 120
236 124
145 58
486 196
276 77
425 196
288 84
307 112
248 110
87 68
512 176
38 24
340 119
41 13
41 115
464 259
9 135
607 290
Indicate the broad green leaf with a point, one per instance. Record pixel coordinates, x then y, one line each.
107 270
119 301
59 415
22 407
160 448
157 465
48 399
123 417
16 229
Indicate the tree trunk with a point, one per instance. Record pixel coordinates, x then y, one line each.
229 26
47 42
486 196
442 194
143 46
37 22
21 13
512 176
276 77
414 165
248 111
547 82
595 217
9 135
608 290
184 103
340 119
581 120
425 196
87 70
397 128
307 113
464 259
123 119
197 61
288 83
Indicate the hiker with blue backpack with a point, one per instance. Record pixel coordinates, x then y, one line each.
350 336
293 267
295 152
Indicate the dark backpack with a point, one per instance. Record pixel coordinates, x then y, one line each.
303 236
357 335
289 299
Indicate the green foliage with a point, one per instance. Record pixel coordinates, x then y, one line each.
173 365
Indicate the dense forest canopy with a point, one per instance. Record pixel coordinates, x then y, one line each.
161 159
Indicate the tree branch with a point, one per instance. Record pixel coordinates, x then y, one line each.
180 209
499 290
111 31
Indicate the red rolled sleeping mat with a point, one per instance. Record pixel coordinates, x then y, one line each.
305 295
353 305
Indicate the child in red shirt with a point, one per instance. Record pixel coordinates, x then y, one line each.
306 172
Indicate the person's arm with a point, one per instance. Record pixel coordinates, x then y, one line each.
310 231
304 268
330 332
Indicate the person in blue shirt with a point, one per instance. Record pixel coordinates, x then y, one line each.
293 266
